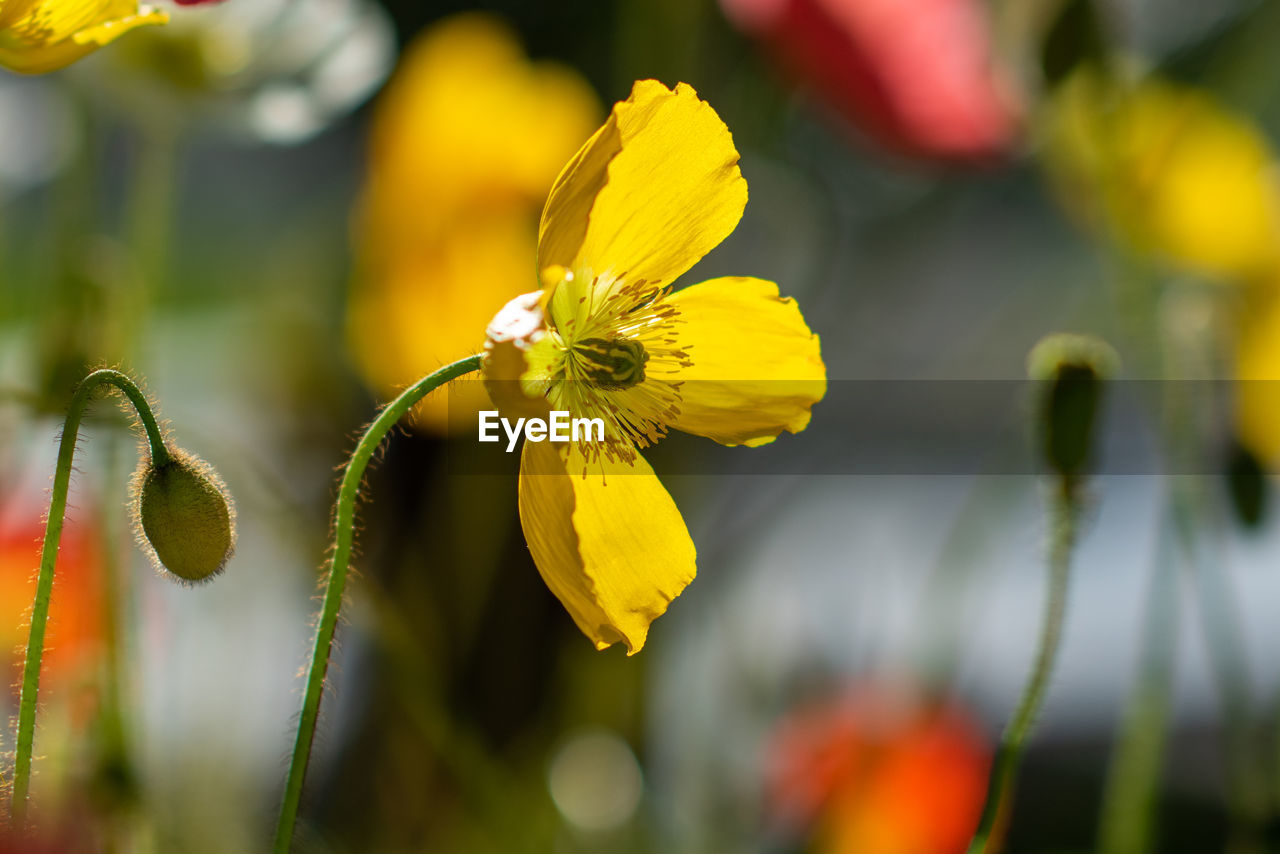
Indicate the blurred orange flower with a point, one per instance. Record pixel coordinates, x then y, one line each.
915 75
75 627
878 771
465 145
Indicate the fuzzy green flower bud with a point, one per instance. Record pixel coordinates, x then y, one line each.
1074 367
1247 486
185 519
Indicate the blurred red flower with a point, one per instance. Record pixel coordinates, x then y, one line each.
879 771
74 630
915 75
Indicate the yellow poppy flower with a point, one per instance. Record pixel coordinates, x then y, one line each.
655 189
44 35
464 145
1171 171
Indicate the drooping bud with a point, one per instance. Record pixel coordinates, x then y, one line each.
1073 369
184 516
1247 486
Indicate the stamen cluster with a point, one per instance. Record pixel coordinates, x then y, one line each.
617 356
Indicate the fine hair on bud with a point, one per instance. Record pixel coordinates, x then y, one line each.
183 516
1073 369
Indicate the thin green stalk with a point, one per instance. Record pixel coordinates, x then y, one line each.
987 838
1197 532
149 231
1220 625
967 543
49 556
1129 799
114 768
1275 770
343 534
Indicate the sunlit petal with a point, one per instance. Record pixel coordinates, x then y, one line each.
610 544
649 194
756 367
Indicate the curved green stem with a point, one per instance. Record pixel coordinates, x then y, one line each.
48 559
987 838
343 534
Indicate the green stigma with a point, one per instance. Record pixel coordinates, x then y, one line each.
612 363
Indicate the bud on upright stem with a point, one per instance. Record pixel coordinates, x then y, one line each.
1073 369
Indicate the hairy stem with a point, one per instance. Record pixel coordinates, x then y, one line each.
1004 773
49 557
343 534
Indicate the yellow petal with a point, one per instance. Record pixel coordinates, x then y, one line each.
655 189
613 548
45 35
757 369
1258 392
12 10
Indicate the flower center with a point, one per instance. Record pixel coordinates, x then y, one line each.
611 363
611 351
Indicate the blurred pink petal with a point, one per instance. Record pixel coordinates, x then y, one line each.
915 75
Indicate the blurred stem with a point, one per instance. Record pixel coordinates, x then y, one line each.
486 783
481 554
942 604
1275 792
1188 352
343 534
1128 806
66 300
1220 621
1065 513
115 777
149 225
49 556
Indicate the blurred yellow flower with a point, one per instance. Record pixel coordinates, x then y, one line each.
1173 173
655 189
465 144
44 35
